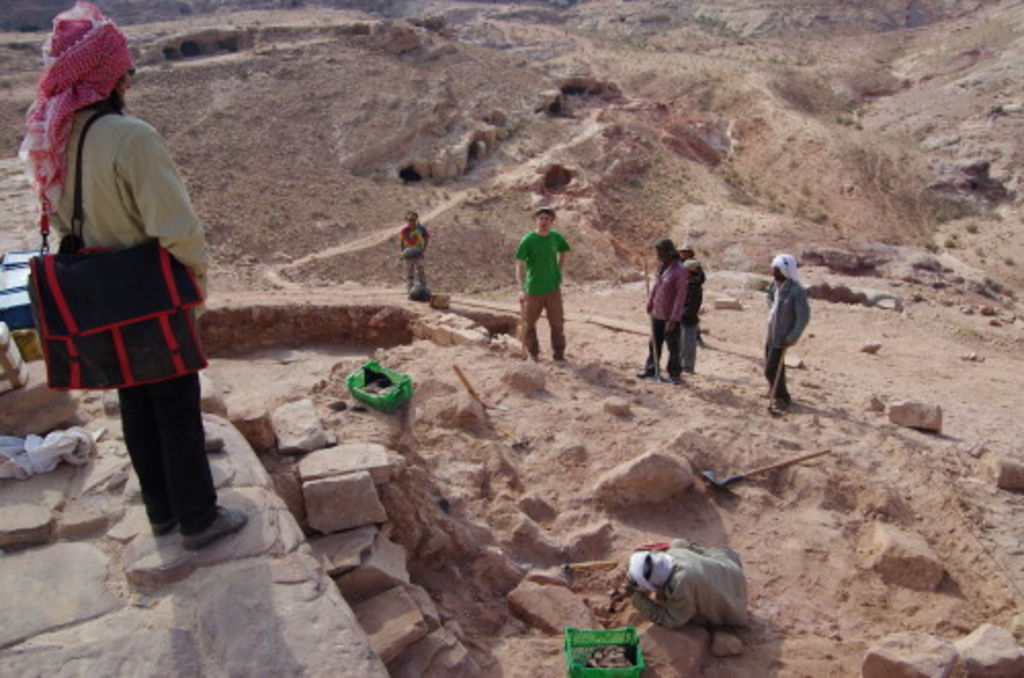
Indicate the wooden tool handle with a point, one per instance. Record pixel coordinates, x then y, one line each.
781 464
465 382
590 563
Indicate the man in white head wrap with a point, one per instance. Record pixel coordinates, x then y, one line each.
788 317
689 583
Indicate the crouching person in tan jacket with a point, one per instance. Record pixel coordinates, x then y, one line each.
686 583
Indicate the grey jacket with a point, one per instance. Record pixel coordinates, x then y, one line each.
706 586
790 317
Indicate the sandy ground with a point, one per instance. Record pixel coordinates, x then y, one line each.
814 606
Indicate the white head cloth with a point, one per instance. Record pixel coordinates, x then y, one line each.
661 569
787 264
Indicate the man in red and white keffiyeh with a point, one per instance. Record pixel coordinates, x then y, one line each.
83 60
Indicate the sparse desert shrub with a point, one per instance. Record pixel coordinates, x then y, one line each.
1009 261
972 228
931 247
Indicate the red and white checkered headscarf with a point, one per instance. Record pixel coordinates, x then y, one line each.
83 59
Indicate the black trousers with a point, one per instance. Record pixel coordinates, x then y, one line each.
672 339
163 430
773 362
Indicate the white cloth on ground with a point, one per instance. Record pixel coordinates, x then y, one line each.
24 457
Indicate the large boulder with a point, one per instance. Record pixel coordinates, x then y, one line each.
349 458
991 652
1007 473
550 608
35 408
916 415
342 502
525 376
392 622
910 655
902 558
298 428
649 479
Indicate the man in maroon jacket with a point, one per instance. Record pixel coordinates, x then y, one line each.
665 306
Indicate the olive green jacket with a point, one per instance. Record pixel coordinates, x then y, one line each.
131 192
706 586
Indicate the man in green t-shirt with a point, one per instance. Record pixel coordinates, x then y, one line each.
540 254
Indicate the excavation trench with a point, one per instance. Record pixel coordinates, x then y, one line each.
269 355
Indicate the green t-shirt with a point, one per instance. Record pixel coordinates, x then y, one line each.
540 252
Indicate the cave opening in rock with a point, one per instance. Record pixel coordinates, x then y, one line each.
171 53
556 178
190 48
473 154
228 44
409 175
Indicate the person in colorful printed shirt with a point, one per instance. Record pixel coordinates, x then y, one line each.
540 255
413 240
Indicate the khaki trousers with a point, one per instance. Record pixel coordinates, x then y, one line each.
531 309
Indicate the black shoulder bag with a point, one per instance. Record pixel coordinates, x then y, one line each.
113 318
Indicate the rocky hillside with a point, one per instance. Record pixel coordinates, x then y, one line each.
305 134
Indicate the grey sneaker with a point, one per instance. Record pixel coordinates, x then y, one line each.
228 521
166 527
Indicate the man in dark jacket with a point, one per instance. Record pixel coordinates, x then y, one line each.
690 321
665 306
789 313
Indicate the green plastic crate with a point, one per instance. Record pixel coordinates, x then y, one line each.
580 644
385 401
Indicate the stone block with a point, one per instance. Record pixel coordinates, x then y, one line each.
43 576
550 608
426 605
991 652
649 479
298 428
871 347
440 301
211 397
383 568
375 459
674 652
728 304
916 415
392 621
289 489
724 644
902 558
25 524
910 655
1005 472
344 551
35 408
617 406
342 502
88 515
437 655
169 652
253 422
526 377
153 562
